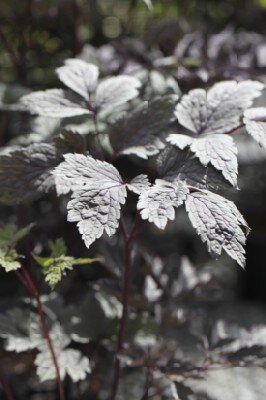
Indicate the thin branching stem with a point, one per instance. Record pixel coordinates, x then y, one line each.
32 289
129 241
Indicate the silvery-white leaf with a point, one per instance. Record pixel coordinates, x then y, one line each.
191 111
219 223
55 103
179 140
219 383
219 109
79 76
189 277
116 90
27 172
255 121
98 192
141 131
219 150
174 164
139 184
151 289
78 170
20 329
71 362
255 336
157 203
159 84
111 307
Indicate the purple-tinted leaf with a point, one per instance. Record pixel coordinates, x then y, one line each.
219 224
79 76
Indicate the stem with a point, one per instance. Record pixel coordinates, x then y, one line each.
129 240
97 133
235 129
5 386
31 287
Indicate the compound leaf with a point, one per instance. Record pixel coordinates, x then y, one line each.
219 109
158 201
219 224
79 76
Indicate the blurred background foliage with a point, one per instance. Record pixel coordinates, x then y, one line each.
35 36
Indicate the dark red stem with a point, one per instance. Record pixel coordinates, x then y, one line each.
31 287
129 241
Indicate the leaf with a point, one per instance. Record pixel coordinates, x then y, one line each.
241 338
141 132
111 307
56 103
219 223
27 172
219 150
10 235
179 140
58 248
116 90
98 192
139 184
174 164
96 317
71 362
9 260
20 329
218 110
55 266
255 121
158 201
79 76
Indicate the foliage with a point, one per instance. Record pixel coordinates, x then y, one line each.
143 131
55 266
9 236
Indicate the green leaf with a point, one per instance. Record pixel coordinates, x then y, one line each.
9 260
58 248
55 266
21 233
83 261
10 235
